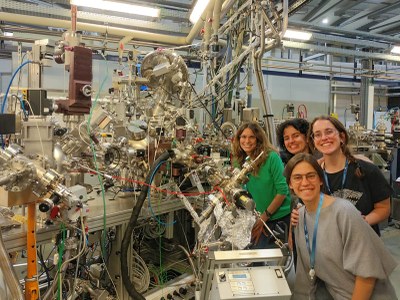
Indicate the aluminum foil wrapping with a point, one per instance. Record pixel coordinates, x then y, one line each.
235 226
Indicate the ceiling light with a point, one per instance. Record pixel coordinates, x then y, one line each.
297 35
118 7
325 21
6 33
395 50
198 10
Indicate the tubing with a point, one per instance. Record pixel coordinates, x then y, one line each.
190 261
131 225
8 272
50 292
9 85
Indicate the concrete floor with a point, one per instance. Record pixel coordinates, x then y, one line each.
391 238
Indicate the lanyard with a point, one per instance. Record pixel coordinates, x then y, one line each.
343 178
311 251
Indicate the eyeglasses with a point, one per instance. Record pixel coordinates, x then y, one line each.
329 132
297 178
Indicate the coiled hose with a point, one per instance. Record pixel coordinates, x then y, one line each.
131 225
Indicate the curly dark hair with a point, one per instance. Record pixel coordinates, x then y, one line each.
299 124
263 144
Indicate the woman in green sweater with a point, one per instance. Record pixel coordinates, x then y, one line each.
266 184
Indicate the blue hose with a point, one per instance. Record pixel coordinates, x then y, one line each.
9 85
149 199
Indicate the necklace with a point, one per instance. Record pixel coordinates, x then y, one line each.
312 251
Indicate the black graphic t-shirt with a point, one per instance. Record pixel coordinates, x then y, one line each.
362 192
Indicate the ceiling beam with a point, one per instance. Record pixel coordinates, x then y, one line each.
340 40
392 30
340 51
315 10
349 5
356 17
381 25
354 33
321 13
384 9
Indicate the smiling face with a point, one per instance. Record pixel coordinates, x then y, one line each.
306 183
327 138
248 141
295 142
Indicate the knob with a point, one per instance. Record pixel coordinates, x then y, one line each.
182 291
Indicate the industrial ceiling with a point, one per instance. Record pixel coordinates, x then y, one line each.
349 24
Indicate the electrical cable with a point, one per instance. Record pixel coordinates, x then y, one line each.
196 275
131 225
95 156
149 198
21 103
6 94
9 85
77 262
40 136
46 269
60 255
65 263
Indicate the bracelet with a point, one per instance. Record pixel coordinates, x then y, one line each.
268 214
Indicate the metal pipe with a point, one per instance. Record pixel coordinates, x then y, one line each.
217 16
109 30
8 272
207 28
226 6
74 13
285 20
195 29
39 21
140 35
25 29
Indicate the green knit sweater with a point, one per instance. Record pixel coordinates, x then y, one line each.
267 184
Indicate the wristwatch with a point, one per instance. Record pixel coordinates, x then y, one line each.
268 214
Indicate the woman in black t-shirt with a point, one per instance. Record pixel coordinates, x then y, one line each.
358 181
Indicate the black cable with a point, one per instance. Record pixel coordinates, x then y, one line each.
46 269
131 225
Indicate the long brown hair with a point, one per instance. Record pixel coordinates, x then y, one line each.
343 145
262 144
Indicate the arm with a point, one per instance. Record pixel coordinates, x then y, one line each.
274 206
276 203
363 288
380 212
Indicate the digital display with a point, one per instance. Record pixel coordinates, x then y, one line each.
239 276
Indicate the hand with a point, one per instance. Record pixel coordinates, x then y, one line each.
294 217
